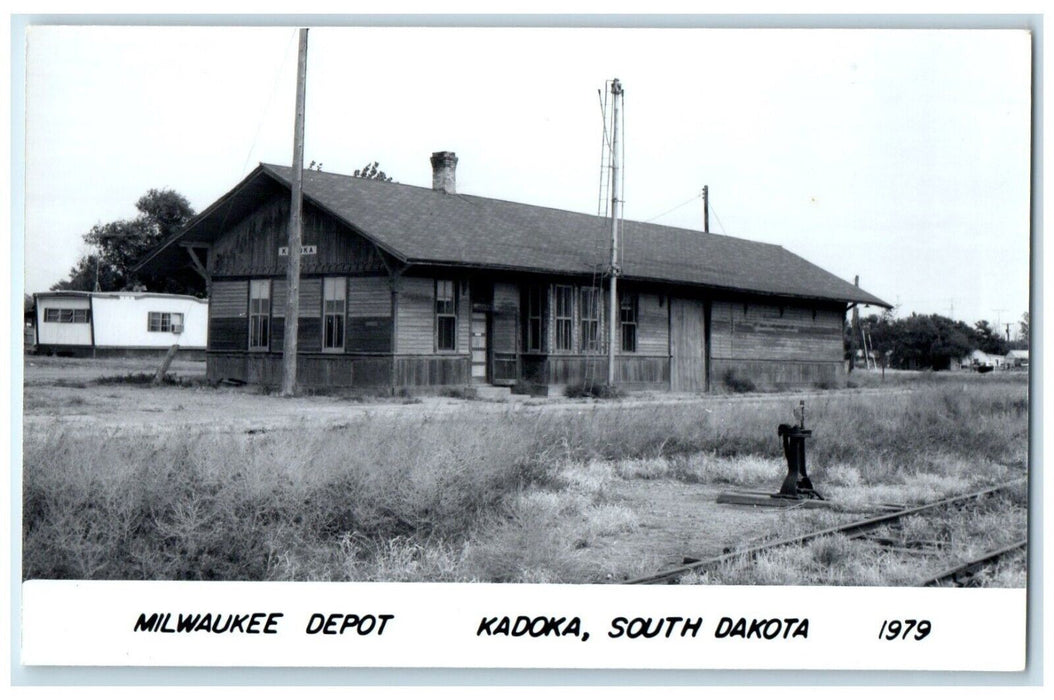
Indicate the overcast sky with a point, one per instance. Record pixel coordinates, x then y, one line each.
899 156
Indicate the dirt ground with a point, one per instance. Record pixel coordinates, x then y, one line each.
65 393
679 520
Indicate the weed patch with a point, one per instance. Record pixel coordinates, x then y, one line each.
737 384
593 390
514 496
146 379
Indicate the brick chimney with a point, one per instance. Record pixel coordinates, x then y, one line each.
444 164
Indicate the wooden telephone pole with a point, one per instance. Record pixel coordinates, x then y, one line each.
613 270
706 209
292 305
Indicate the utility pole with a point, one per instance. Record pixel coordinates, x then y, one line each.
613 270
292 305
706 209
854 330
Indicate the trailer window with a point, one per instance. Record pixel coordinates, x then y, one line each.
164 322
60 315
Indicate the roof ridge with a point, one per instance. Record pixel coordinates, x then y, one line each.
467 196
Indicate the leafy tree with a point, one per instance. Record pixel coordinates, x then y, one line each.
371 171
990 340
118 245
920 342
1023 329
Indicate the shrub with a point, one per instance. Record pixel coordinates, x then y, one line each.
594 390
467 393
736 384
530 388
147 379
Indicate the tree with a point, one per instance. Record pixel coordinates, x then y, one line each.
920 342
1023 330
989 339
371 171
118 245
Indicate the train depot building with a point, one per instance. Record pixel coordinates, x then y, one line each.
99 324
416 287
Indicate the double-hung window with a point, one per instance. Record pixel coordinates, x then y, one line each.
563 321
589 318
535 306
446 315
164 322
334 307
628 320
259 314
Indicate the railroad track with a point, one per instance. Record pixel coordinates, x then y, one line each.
964 574
858 530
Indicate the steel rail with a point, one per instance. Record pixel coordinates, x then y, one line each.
848 529
974 565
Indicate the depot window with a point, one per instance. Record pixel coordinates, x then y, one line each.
259 314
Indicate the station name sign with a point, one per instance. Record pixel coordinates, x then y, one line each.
304 250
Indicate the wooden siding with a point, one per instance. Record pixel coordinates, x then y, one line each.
463 304
653 325
749 331
636 372
416 316
312 370
228 315
310 297
250 247
369 334
781 374
369 326
369 297
687 345
432 371
308 334
229 299
415 320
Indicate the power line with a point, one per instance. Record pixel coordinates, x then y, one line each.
673 209
270 101
718 218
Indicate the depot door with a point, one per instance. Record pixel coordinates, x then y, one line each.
687 345
479 347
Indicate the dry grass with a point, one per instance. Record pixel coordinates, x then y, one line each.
963 534
491 497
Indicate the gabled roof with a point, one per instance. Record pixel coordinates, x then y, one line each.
420 226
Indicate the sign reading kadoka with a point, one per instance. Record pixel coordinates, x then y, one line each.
304 250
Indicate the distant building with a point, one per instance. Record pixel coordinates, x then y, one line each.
979 358
91 324
1017 358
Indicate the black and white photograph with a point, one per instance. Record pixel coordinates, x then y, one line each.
707 308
